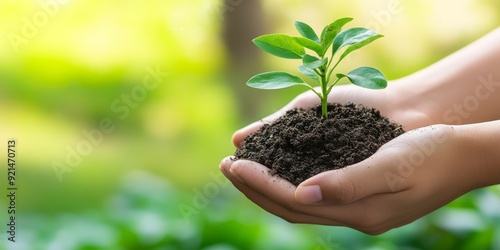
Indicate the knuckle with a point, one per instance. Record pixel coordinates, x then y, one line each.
372 223
343 190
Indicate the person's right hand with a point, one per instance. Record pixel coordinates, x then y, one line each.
407 178
398 108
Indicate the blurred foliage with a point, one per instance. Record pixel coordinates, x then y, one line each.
144 214
64 64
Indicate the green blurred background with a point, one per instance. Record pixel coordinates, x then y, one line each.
151 181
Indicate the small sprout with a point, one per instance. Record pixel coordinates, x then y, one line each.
318 68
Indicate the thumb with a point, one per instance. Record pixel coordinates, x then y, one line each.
376 175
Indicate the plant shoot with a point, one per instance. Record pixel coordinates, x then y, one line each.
319 67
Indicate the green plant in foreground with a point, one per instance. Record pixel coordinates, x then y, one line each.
318 68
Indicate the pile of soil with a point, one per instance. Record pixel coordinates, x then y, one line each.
301 144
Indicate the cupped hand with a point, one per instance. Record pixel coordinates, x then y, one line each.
405 179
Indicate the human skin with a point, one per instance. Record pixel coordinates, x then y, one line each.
453 146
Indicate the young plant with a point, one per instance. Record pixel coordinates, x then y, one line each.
319 68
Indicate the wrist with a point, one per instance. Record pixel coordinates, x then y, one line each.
412 104
480 145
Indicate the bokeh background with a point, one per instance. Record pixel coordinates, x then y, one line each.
122 111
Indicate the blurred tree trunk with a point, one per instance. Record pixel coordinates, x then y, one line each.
242 21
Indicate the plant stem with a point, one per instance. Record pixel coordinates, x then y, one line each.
324 107
324 95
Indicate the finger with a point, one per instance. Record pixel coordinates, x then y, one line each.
241 134
389 170
365 215
269 205
257 178
376 175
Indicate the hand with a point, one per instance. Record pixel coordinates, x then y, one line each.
413 174
405 179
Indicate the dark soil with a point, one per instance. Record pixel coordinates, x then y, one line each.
301 143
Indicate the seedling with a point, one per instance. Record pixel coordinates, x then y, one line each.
318 68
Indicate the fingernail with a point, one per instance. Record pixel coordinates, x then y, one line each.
235 174
309 195
227 160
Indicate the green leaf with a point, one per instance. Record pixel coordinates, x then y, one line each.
280 45
310 44
330 32
359 45
309 72
306 31
366 77
353 36
313 62
275 80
